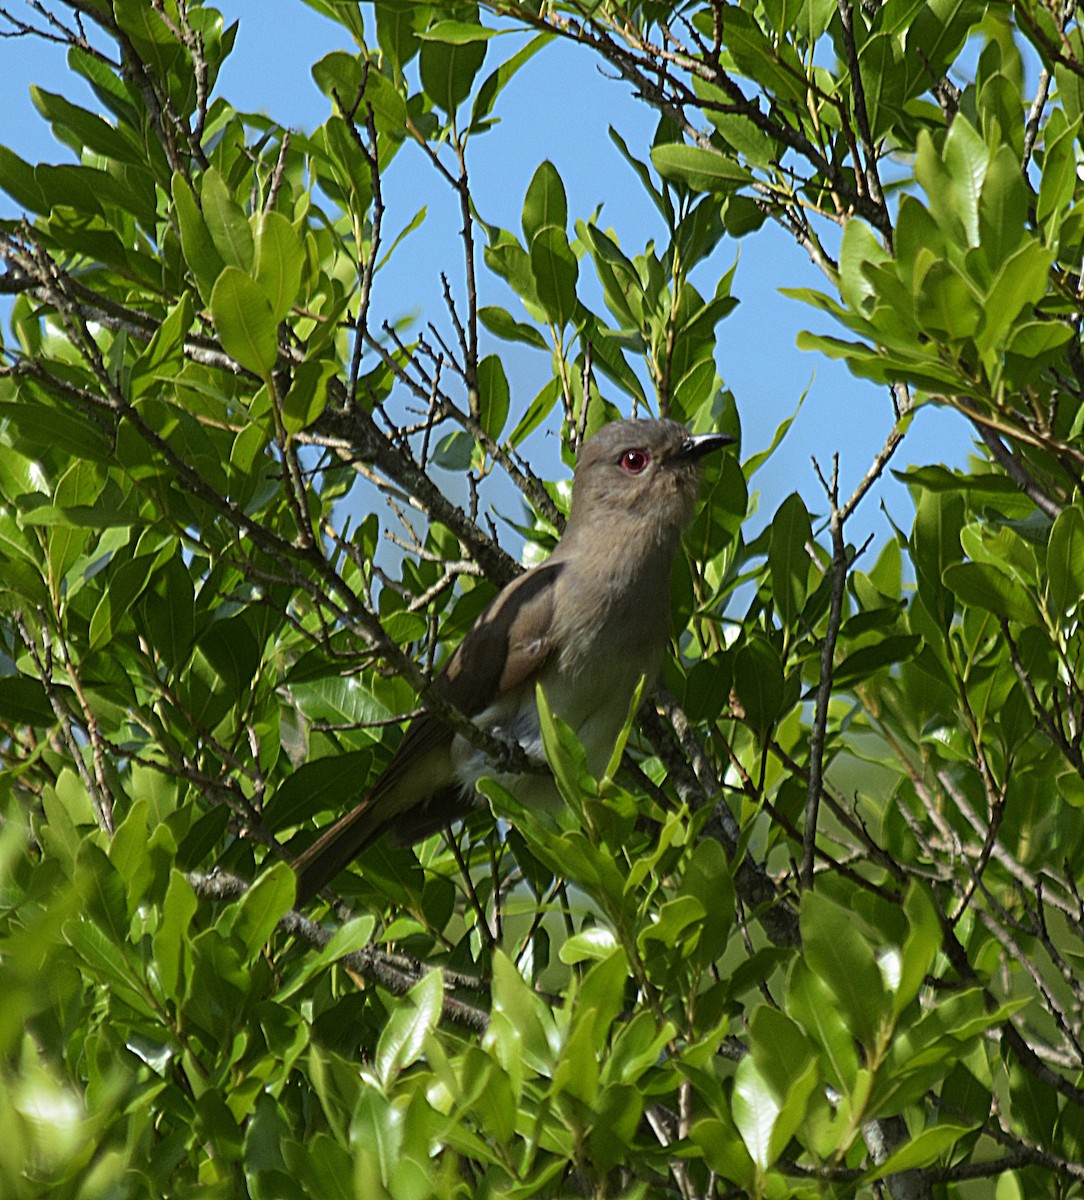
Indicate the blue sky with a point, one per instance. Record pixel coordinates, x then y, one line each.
560 107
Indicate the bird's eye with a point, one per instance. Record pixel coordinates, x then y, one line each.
634 461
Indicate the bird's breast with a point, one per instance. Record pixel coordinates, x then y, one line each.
588 681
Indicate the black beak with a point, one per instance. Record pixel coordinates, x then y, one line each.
696 445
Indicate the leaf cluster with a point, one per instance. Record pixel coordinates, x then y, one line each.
817 930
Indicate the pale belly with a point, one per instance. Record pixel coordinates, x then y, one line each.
593 701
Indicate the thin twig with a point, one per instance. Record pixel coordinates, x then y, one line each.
396 973
824 687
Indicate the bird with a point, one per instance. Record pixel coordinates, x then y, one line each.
588 625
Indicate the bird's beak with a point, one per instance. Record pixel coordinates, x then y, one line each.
696 445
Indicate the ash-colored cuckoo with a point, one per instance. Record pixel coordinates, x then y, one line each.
587 625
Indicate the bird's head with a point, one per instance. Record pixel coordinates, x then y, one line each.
643 471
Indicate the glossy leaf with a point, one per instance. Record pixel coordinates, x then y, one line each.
987 587
838 954
1065 560
494 396
788 557
545 203
403 1037
244 321
555 271
700 169
758 681
448 68
226 223
279 262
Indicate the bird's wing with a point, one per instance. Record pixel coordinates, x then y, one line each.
508 644
504 650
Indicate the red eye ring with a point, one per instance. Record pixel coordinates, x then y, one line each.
634 461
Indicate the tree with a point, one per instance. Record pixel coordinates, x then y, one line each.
820 932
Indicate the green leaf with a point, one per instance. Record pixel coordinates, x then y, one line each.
935 543
810 1002
204 261
126 584
91 130
708 879
178 910
24 701
537 412
397 30
869 660
990 589
355 935
331 783
966 158
1065 561
702 170
150 35
457 33
340 72
129 852
589 945
1059 171
454 451
621 283
279 262
165 353
231 649
1020 281
940 479
788 559
448 70
108 967
169 612
758 681
262 907
38 428
17 178
1003 207
307 397
1035 338
244 322
725 1152
494 395
859 248
403 1038
779 1047
662 200
502 324
545 203
522 1031
920 947
563 752
577 1071
839 955
555 271
226 222
506 258
755 1108
922 1151
945 303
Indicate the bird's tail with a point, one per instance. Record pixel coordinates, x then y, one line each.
336 848
416 795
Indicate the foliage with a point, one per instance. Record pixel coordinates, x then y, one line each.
821 927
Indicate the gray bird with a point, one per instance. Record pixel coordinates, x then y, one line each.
588 624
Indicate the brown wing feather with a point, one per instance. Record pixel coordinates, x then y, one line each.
504 650
508 644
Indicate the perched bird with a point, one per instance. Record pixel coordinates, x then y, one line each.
587 625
